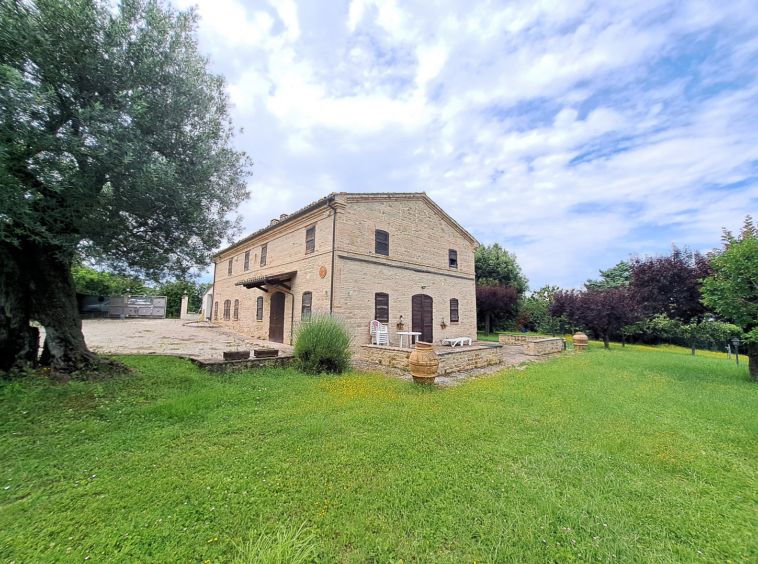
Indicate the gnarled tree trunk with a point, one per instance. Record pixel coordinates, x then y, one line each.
752 354
54 306
19 342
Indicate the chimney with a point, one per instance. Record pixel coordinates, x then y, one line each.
283 217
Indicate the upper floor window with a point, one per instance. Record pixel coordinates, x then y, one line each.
382 307
310 240
236 309
382 243
454 310
263 255
227 308
452 256
247 261
231 261
259 308
307 303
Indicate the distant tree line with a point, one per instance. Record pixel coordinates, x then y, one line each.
685 295
90 281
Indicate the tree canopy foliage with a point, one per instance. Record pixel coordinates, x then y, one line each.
115 145
615 277
605 312
495 303
670 284
496 266
93 282
732 290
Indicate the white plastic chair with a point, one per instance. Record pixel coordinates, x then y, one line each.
380 334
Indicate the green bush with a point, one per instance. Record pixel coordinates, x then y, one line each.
322 344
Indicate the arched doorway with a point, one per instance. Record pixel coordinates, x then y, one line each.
276 319
422 317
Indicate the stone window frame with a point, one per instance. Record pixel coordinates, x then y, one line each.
381 247
231 267
310 240
264 254
382 316
236 310
227 309
246 266
454 311
259 309
306 305
452 258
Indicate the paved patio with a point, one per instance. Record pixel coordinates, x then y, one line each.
176 337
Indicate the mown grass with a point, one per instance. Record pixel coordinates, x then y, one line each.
627 455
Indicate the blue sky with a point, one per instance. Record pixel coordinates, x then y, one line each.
572 133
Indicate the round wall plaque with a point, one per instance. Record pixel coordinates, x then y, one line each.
322 272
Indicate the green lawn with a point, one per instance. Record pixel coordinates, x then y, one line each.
633 455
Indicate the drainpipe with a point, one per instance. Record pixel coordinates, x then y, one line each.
213 293
334 239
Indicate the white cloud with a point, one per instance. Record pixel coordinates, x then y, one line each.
572 132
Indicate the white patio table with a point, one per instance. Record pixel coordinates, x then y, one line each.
410 337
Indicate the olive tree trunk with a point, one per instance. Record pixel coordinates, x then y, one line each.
752 355
55 307
19 342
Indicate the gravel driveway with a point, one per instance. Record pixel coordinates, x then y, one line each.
165 336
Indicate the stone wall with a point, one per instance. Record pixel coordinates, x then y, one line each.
468 358
454 360
221 366
549 345
517 339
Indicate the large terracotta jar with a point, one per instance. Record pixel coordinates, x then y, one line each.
424 363
580 341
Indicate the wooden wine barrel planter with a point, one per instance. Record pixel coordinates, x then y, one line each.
424 363
236 355
580 341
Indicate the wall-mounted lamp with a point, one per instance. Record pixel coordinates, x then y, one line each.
442 323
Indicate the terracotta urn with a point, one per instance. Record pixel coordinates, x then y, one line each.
424 363
580 341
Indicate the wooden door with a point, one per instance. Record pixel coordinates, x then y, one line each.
276 320
422 317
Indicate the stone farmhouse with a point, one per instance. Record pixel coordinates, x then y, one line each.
394 257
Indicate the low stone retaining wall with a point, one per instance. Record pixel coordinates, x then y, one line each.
468 358
452 360
542 346
508 339
221 366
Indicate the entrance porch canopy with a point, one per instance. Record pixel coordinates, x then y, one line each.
268 280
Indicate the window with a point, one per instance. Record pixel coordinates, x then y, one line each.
215 311
310 240
230 266
452 258
259 308
382 307
382 243
307 302
263 255
247 261
236 309
227 308
454 310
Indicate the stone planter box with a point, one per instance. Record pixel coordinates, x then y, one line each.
266 353
236 355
